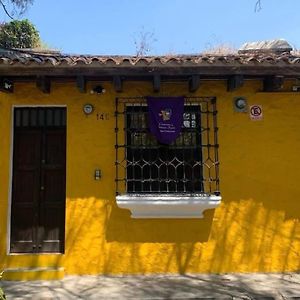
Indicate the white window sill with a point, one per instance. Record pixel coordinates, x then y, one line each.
171 206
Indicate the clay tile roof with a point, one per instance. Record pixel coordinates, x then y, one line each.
34 58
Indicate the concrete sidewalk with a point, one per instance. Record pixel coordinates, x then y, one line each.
229 286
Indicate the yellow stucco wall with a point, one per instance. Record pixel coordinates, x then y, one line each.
256 228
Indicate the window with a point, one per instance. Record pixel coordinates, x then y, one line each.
187 166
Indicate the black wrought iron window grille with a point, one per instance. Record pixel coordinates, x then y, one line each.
187 166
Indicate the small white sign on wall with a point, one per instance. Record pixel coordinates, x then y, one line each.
256 112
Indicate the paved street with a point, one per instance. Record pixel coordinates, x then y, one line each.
229 286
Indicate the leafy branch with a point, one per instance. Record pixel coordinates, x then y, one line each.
257 6
17 7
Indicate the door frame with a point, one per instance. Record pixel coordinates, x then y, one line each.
10 181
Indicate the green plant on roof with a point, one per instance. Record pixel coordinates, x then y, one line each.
19 34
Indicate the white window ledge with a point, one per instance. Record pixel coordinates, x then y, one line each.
167 205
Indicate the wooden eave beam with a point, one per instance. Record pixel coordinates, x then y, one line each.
81 83
118 85
103 71
156 83
273 83
234 82
194 83
43 83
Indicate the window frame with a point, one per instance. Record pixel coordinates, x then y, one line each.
178 166
208 109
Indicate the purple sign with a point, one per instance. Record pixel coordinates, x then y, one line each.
165 117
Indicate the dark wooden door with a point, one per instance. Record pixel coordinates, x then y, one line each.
38 188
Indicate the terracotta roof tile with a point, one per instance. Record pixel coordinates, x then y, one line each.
13 57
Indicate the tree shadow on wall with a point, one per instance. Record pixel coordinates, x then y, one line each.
122 228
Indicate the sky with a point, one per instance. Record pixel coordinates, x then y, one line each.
107 27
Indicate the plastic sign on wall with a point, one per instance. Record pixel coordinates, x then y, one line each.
256 112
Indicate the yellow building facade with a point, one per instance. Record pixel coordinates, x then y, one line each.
254 229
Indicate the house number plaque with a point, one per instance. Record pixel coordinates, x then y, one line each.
102 116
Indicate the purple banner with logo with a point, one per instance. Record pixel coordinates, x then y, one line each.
165 117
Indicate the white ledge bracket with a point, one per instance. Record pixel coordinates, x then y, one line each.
148 206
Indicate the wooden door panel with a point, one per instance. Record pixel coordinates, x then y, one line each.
23 232
55 148
27 148
39 171
23 181
52 208
24 197
51 233
54 182
53 199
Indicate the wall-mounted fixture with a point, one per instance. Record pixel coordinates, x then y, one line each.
88 108
98 89
240 104
296 85
97 174
6 85
296 88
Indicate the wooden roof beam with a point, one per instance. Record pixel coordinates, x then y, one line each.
81 83
118 84
185 71
234 82
194 83
156 83
273 83
43 83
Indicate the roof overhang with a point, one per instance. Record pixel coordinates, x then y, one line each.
217 71
22 63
